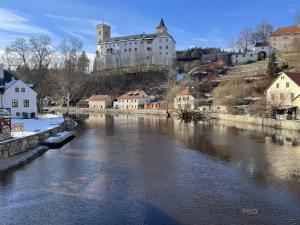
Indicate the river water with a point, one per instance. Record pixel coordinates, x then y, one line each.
150 170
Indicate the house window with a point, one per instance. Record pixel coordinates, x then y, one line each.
167 40
292 96
149 42
149 48
281 96
16 89
15 103
277 85
26 103
287 84
273 96
22 89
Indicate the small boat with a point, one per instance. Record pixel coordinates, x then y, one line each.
59 139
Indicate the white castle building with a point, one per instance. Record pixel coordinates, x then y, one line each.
134 50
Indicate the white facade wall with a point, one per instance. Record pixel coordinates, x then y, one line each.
157 50
242 58
132 103
10 94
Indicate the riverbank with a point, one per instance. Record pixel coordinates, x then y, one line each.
111 111
35 132
293 125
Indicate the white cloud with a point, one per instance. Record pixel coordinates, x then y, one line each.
11 21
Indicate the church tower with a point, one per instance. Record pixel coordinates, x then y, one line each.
161 29
103 33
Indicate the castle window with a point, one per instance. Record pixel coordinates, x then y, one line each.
167 47
149 42
125 43
167 53
149 48
142 42
125 49
160 47
130 49
160 53
167 40
135 43
135 49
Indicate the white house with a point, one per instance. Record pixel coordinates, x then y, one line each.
133 100
16 95
186 100
244 57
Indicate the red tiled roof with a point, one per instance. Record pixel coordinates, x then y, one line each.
133 95
286 30
99 97
294 76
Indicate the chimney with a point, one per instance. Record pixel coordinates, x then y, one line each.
1 71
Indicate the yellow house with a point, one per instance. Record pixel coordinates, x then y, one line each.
100 101
284 92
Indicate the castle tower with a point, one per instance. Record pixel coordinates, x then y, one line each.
103 33
161 29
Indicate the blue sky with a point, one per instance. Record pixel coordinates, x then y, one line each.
192 23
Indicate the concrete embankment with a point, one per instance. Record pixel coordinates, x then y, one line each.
20 145
259 121
110 111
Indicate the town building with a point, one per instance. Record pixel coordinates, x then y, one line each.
160 105
133 100
100 102
283 39
17 96
186 100
134 50
283 94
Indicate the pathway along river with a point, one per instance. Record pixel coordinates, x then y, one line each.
150 170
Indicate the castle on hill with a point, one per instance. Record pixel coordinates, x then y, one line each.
157 49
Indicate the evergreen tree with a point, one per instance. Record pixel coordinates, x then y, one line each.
273 68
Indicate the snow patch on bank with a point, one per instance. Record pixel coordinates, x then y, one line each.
34 126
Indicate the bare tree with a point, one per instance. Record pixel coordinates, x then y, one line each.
42 51
264 31
244 40
232 45
8 58
22 50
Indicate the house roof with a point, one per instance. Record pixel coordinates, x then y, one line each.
292 75
133 95
8 80
99 97
187 91
286 30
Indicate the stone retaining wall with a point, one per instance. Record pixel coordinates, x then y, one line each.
265 122
111 111
15 146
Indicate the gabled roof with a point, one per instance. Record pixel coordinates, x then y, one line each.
292 75
8 80
99 97
187 91
286 30
133 95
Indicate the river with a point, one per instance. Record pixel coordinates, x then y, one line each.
151 170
